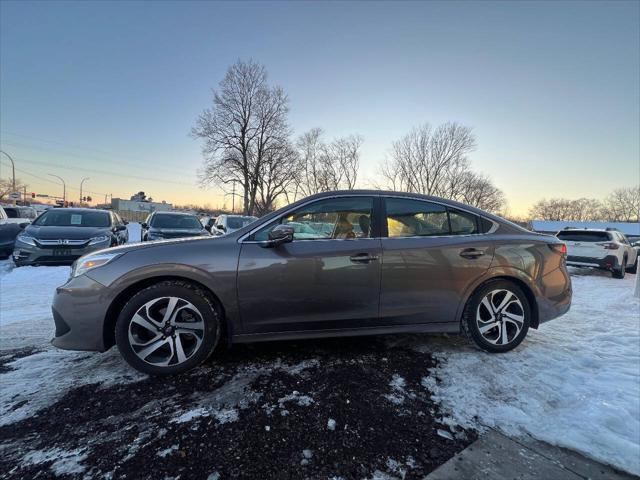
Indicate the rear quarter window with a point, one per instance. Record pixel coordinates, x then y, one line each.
569 236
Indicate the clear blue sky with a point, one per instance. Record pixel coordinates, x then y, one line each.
552 89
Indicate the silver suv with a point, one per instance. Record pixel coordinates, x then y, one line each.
605 249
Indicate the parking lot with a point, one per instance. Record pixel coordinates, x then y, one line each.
372 407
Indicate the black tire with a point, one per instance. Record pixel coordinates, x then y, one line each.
633 268
207 308
620 272
470 325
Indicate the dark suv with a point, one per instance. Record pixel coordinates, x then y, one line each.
163 225
334 264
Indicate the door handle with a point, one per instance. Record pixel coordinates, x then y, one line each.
363 258
471 253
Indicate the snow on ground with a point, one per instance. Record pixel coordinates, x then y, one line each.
574 383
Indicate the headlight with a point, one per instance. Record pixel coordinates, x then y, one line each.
26 239
89 262
100 239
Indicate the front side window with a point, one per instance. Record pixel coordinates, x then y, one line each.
336 218
415 218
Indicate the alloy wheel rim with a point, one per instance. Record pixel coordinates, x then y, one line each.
166 331
500 317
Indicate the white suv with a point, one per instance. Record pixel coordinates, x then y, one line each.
607 249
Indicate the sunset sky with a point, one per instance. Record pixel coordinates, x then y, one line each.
110 91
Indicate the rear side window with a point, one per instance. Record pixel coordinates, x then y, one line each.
463 223
417 218
414 218
577 236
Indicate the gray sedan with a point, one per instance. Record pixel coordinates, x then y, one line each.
61 235
365 262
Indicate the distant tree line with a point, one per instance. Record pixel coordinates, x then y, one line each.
621 205
246 139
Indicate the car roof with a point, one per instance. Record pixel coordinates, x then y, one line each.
175 213
80 210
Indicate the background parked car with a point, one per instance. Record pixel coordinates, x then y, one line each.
26 213
161 225
605 249
61 235
231 223
208 221
9 229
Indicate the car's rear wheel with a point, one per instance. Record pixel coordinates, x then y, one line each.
620 272
168 328
497 316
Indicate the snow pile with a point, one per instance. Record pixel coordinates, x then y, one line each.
64 462
25 303
575 382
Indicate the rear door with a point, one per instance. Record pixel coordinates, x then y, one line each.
327 278
430 256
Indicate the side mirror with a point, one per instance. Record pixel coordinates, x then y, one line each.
279 235
119 228
126 222
207 228
23 225
144 225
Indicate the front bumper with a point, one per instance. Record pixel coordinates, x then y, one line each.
610 262
25 254
79 311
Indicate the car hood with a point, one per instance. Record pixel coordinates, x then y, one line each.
129 247
69 233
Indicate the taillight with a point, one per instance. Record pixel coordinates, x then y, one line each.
609 245
560 248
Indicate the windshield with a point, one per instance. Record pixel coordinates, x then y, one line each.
175 221
73 218
239 222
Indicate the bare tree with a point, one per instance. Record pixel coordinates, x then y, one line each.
278 173
623 205
435 162
6 188
327 166
246 120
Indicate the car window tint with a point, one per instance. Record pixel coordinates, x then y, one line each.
578 236
463 223
70 218
336 218
12 212
415 218
485 225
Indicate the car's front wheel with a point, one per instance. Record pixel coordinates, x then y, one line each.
497 316
168 328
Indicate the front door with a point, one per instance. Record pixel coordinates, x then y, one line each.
327 278
430 256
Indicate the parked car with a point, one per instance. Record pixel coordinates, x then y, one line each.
596 248
163 225
61 235
414 264
25 213
9 229
230 223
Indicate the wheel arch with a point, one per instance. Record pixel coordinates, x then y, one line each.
117 304
526 289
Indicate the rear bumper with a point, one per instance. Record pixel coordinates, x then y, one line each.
555 296
79 309
609 262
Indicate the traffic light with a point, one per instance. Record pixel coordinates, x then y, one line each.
33 194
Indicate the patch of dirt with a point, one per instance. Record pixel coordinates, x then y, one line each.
342 407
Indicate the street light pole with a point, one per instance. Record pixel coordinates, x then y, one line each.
64 187
81 182
13 168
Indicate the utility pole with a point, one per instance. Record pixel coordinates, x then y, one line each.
24 195
81 182
64 188
105 199
233 198
13 168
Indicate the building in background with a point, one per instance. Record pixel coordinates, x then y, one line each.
140 203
